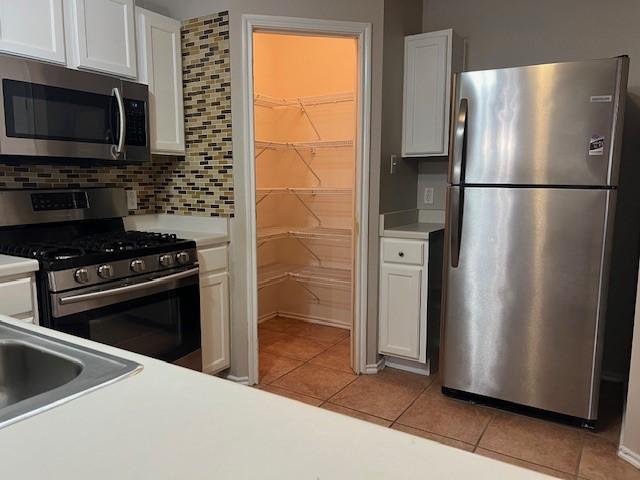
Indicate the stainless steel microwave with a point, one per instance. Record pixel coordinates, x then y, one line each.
58 113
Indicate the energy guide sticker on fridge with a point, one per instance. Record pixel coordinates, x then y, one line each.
596 145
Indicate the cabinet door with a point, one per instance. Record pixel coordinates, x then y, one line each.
400 310
214 321
16 297
160 66
427 76
102 36
33 29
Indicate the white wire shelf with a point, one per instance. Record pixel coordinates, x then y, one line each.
306 190
275 102
308 274
316 233
312 145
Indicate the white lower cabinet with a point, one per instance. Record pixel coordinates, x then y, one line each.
214 309
403 299
18 297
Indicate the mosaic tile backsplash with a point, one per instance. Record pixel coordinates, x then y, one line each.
201 183
207 177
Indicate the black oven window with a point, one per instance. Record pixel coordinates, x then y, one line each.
54 113
164 325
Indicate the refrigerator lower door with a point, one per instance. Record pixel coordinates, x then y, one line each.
524 307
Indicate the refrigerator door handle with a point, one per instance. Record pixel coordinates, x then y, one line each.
456 207
459 134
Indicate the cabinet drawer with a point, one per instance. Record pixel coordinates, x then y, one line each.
213 259
410 252
16 297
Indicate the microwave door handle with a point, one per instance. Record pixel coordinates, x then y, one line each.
116 150
83 297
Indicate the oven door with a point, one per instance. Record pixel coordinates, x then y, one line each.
157 316
51 111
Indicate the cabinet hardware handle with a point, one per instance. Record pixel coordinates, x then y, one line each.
401 254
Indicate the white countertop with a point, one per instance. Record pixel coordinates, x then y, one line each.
16 265
167 422
417 231
206 231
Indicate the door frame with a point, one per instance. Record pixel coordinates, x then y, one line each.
362 33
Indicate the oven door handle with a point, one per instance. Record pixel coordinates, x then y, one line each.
83 297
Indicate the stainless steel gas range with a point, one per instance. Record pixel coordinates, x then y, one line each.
133 290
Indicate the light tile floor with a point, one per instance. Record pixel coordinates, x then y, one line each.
310 363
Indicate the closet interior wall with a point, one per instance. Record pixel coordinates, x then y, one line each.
305 127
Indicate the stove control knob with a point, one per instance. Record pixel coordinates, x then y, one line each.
81 275
105 271
183 258
138 266
166 260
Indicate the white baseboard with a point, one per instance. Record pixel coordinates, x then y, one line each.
407 365
266 317
373 368
629 456
312 319
241 380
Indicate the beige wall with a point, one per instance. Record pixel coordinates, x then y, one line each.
502 33
398 190
631 428
370 11
303 66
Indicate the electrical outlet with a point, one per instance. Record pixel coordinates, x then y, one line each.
132 200
393 164
428 195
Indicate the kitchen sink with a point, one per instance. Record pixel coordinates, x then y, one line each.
39 372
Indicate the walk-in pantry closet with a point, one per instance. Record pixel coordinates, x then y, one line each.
305 103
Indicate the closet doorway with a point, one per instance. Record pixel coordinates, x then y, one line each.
308 142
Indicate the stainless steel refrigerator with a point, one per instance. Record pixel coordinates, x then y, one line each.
535 154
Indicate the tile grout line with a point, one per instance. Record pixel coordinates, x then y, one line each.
484 430
432 433
326 347
414 401
298 359
306 362
358 411
525 461
307 336
582 443
300 366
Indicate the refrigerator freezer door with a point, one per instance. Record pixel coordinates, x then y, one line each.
525 304
555 124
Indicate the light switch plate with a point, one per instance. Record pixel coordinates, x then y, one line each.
132 200
428 195
393 163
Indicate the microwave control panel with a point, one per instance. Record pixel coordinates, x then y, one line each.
136 132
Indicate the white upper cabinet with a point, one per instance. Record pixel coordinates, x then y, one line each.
101 36
160 66
430 59
33 29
